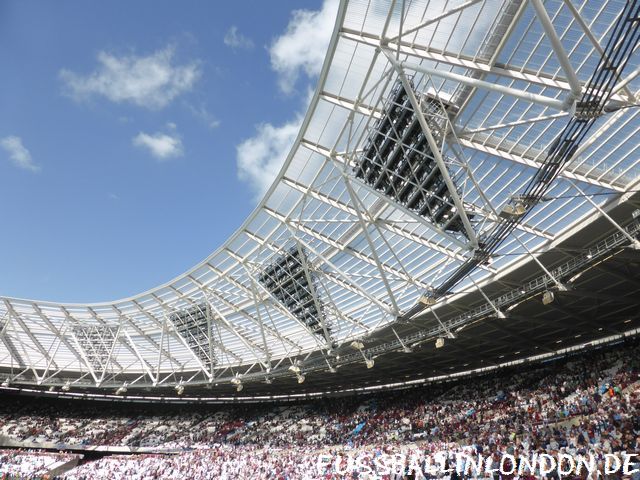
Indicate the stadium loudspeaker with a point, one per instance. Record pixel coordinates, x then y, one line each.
548 297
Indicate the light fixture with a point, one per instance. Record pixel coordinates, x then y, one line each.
122 390
239 387
268 380
52 388
5 384
511 212
369 362
66 387
333 369
358 345
179 389
236 380
407 349
427 300
548 297
440 342
300 378
294 368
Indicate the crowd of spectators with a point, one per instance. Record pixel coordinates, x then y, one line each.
587 404
20 464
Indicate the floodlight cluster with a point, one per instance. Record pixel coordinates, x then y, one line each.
195 327
398 161
293 284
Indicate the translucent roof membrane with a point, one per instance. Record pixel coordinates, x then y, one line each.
371 257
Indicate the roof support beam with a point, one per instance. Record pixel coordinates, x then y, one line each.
500 152
382 267
56 331
345 162
457 60
27 330
210 342
163 327
561 54
494 87
386 224
248 292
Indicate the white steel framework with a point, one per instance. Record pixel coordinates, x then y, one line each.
513 71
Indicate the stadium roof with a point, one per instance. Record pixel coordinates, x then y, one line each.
511 75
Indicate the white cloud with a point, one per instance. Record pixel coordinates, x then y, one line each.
152 81
303 46
237 40
260 157
201 112
300 49
162 146
18 153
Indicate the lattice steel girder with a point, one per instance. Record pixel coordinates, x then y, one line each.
96 344
343 162
235 308
16 316
398 159
193 324
314 292
161 350
57 332
194 304
531 162
458 60
168 311
225 324
395 229
101 321
132 346
285 278
389 225
263 336
11 348
435 149
356 254
275 301
354 288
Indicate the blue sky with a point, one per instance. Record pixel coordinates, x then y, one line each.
135 137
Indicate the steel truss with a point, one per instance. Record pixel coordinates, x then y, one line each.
517 105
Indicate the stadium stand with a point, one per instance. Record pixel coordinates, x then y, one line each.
445 269
579 404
